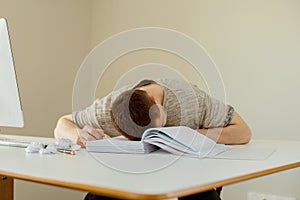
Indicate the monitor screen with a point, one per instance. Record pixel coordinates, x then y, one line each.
10 107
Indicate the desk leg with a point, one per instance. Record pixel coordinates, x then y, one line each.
6 188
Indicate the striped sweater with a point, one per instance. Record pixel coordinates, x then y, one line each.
185 105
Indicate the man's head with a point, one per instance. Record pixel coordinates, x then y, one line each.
134 111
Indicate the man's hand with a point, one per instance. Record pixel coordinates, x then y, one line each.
88 133
66 128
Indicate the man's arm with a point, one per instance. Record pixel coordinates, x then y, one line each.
236 132
66 128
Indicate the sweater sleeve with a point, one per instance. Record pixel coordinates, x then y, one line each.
86 117
216 113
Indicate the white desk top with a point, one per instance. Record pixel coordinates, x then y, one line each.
155 176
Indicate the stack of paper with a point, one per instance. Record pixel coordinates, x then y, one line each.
182 140
119 145
179 140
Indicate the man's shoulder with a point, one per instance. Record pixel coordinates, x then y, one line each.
178 83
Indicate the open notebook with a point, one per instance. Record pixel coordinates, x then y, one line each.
179 140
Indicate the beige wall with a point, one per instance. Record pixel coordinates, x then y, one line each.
254 43
49 40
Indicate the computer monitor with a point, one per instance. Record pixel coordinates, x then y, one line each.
11 114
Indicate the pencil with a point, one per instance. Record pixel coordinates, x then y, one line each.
67 151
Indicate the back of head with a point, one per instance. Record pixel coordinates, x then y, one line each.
133 112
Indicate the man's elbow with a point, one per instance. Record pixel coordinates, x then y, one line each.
247 135
57 129
56 133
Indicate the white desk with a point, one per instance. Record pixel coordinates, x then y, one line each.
178 176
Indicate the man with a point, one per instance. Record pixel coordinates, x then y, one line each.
129 111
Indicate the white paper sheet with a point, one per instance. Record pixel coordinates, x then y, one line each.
250 153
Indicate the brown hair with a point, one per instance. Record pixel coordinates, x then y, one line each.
133 112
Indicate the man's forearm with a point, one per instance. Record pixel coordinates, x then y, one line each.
227 135
65 128
237 132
